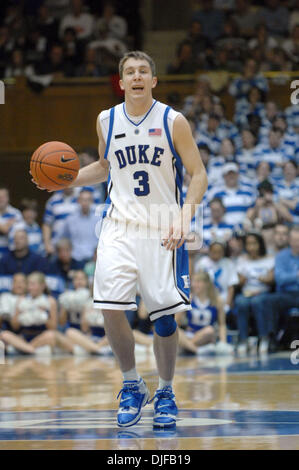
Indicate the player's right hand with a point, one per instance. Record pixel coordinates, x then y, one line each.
39 187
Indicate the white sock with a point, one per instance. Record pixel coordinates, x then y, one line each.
131 375
164 383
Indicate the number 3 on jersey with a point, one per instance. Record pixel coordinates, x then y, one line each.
142 177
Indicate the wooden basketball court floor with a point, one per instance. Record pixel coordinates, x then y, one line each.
225 403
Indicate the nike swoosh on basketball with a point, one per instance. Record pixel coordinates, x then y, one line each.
65 160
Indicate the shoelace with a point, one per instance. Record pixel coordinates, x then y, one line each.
165 395
128 390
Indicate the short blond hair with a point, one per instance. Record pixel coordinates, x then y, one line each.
139 55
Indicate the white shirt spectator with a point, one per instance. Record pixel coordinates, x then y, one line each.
115 29
83 24
252 270
223 273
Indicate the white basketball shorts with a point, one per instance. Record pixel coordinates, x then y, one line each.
124 262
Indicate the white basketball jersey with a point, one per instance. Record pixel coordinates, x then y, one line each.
145 170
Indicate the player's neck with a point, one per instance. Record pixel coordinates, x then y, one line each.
138 107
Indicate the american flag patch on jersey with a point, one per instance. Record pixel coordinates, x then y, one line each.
155 132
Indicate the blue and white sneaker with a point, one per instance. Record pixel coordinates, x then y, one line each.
134 395
165 408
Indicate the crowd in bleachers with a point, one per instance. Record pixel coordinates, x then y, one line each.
245 268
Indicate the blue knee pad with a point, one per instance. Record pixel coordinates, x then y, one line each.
165 326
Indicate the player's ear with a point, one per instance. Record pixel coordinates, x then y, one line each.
154 83
121 84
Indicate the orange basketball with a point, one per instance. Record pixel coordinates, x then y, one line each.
54 165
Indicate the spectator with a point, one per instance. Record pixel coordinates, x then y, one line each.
211 20
72 49
208 133
262 40
252 104
90 66
288 187
217 228
64 265
226 154
80 228
35 320
110 25
275 17
192 106
8 300
286 274
221 270
21 259
89 155
6 47
16 67
245 18
207 310
236 199
198 40
29 224
256 276
280 240
291 47
183 63
294 16
275 153
9 216
83 23
245 156
47 23
240 87
35 47
58 207
55 64
268 115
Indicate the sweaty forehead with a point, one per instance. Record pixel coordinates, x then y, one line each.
135 63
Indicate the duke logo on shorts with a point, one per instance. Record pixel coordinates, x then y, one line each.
145 177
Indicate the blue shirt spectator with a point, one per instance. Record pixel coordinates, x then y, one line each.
80 228
241 86
8 217
287 271
22 259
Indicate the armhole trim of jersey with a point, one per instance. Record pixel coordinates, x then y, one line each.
112 111
166 127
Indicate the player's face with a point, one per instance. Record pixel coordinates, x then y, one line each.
137 80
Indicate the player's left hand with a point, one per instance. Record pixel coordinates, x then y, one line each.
177 235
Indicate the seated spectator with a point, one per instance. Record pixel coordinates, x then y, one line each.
110 25
268 114
47 23
275 152
207 312
192 106
292 117
245 18
240 87
256 275
198 40
236 198
55 64
29 224
9 300
208 133
262 40
9 216
217 228
17 67
278 61
21 259
221 271
216 164
83 23
211 20
288 187
72 49
80 228
252 104
231 42
183 62
275 17
35 47
245 157
290 137
58 208
64 265
266 213
235 246
280 240
89 155
286 276
227 129
90 66
35 320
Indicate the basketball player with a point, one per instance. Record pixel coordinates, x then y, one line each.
143 145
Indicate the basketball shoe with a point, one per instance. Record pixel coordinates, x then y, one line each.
165 409
134 395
